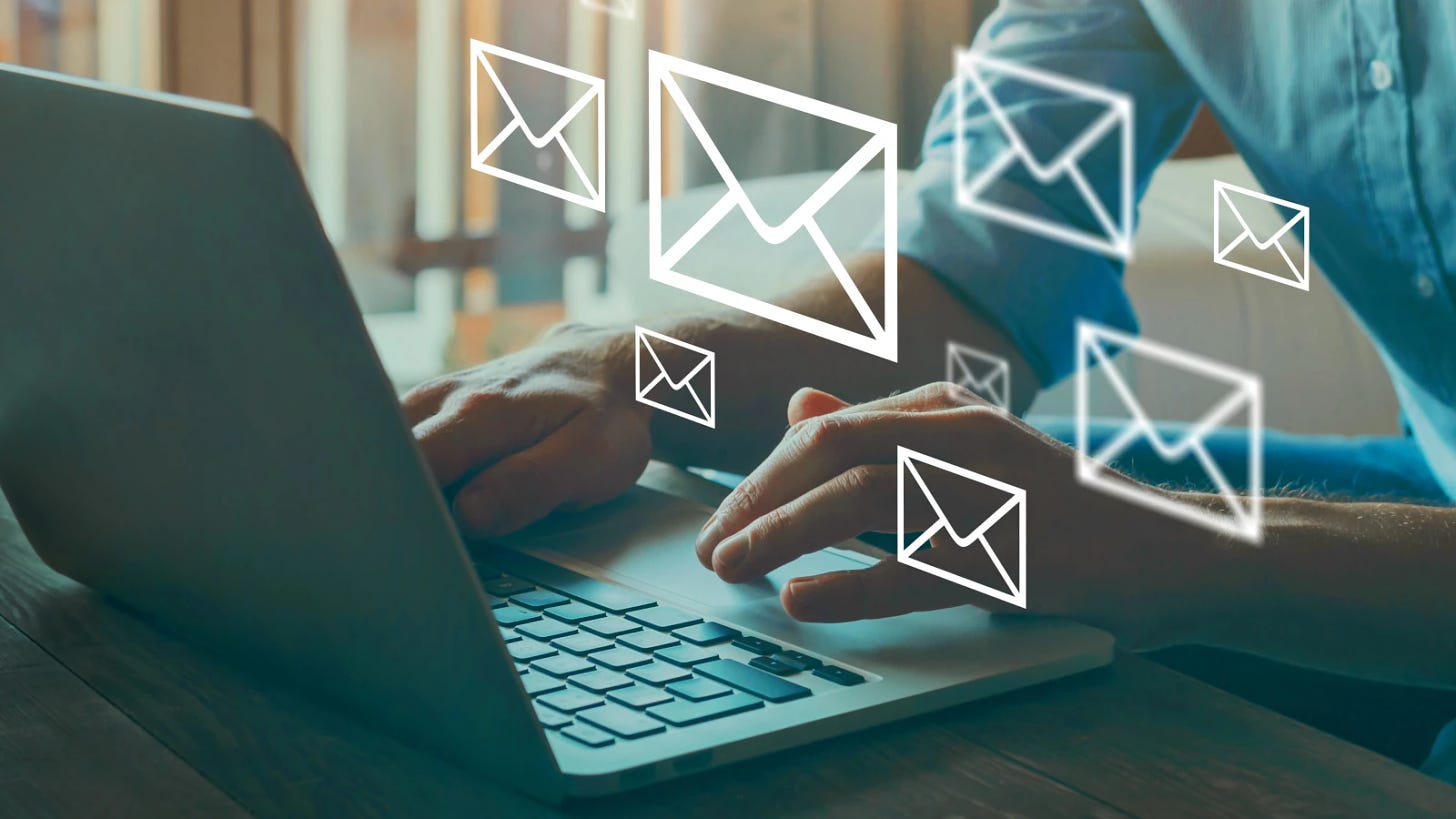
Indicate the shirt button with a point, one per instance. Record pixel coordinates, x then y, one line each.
1380 75
1426 286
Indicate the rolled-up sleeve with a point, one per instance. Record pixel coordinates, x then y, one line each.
1035 288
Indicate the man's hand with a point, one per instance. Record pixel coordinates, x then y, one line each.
834 476
555 426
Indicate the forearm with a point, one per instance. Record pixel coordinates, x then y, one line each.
1365 589
761 363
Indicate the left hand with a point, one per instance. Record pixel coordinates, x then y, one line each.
834 477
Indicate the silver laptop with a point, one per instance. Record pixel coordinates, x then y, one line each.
193 421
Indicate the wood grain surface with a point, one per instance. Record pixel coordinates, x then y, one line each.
111 707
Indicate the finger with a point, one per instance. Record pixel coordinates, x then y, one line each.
480 428
426 399
886 589
938 396
584 463
811 403
862 499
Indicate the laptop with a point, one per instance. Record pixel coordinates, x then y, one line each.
193 421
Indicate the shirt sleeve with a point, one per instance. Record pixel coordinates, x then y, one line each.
1035 288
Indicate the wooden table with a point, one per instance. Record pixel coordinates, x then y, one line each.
102 715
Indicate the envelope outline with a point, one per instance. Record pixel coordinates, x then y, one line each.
1243 515
709 360
1015 591
625 9
596 198
1222 250
661 71
1117 232
994 387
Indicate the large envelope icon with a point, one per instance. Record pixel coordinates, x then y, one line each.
1232 233
663 72
972 535
626 9
678 377
988 81
1237 515
486 144
986 375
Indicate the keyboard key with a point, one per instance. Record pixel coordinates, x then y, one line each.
600 681
525 651
497 602
509 636
587 735
506 586
574 613
798 660
664 618
686 655
697 689
773 666
570 700
538 684
707 634
624 722
539 599
552 719
838 675
758 683
610 626
545 630
647 640
756 645
639 696
512 616
582 643
562 665
659 673
619 659
682 713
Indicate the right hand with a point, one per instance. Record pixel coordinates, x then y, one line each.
552 427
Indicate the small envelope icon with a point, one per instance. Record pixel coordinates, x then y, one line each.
485 148
984 374
680 395
1237 515
663 71
1232 233
973 534
1041 157
626 9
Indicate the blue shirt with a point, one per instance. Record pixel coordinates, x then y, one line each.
1345 106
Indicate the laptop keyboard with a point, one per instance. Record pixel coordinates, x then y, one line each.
604 664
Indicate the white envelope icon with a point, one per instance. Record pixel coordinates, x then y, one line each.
626 9
689 362
1009 590
986 80
1239 516
550 137
1231 232
662 73
984 374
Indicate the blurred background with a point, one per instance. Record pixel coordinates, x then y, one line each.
454 267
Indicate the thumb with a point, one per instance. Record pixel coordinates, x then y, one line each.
811 403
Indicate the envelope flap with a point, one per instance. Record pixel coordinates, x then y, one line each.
1049 120
967 504
675 361
1236 201
775 228
970 365
519 80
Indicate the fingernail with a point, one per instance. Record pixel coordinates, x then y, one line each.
803 597
730 555
709 533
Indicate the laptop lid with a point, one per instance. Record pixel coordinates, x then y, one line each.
193 420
